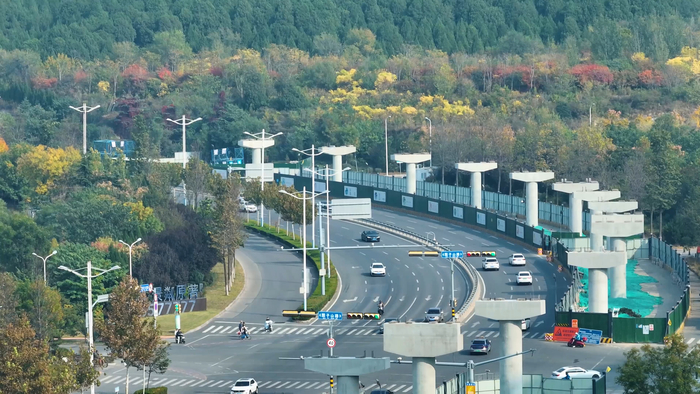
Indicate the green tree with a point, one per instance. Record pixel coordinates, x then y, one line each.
123 329
158 363
20 236
197 176
228 234
43 307
664 370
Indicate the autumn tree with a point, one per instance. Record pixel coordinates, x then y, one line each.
158 363
196 177
26 365
8 300
123 329
45 168
228 232
42 306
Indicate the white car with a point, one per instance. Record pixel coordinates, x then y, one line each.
245 386
248 207
524 278
517 259
490 263
575 373
377 269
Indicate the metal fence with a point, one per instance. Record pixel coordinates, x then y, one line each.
558 215
532 384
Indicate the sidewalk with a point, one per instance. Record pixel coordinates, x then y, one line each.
663 286
691 329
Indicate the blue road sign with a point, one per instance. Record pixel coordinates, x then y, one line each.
323 315
452 254
592 336
145 288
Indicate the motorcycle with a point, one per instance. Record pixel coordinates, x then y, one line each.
573 342
268 327
180 339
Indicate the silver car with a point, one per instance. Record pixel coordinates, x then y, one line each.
434 314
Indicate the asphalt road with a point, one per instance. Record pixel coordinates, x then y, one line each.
211 361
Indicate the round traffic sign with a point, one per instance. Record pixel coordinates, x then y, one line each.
330 342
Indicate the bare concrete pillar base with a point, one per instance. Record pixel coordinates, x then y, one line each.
424 375
511 375
348 384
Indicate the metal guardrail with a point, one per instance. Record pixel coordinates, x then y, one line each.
474 277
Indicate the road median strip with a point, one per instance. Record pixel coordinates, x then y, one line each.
315 302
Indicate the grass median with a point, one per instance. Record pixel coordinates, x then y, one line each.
217 301
316 301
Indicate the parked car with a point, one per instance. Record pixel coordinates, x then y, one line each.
248 207
524 278
377 269
480 345
370 236
490 263
575 373
388 320
434 314
517 259
245 386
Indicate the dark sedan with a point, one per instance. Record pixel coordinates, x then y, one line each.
480 345
370 236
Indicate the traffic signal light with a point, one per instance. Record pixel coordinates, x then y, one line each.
298 313
489 254
177 309
473 254
331 382
415 253
431 253
372 316
453 312
354 315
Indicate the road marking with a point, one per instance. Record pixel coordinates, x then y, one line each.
461 245
691 340
410 227
385 253
406 265
468 237
431 266
400 387
409 308
350 333
411 221
442 281
417 281
481 334
417 288
389 300
414 274
428 297
352 300
539 323
397 259
344 228
402 298
492 324
333 241
510 243
477 231
500 251
219 362
365 282
489 333
446 239
375 299
207 330
431 226
476 324
485 244
362 253
196 340
440 300
497 334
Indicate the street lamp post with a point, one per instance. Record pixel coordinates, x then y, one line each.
303 199
84 109
261 136
386 143
313 155
130 246
90 277
184 122
325 254
430 146
44 260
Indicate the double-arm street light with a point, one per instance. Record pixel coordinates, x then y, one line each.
84 109
313 155
430 140
303 199
386 143
184 122
130 246
44 260
261 136
90 277
325 253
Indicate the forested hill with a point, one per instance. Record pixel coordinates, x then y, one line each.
87 28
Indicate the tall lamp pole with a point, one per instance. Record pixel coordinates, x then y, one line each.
84 109
90 277
430 140
261 136
325 254
303 199
386 143
313 155
184 122
130 246
44 260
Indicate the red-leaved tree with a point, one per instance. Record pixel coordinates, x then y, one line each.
595 73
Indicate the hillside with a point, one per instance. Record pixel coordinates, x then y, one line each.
88 29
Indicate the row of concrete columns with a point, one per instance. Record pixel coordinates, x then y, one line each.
423 342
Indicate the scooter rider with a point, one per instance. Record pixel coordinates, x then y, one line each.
178 336
577 337
268 324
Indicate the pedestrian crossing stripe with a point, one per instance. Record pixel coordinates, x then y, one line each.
233 330
268 385
495 334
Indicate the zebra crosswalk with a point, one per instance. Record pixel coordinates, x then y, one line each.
495 334
264 386
281 330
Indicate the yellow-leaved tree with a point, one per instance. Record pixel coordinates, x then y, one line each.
384 80
43 167
3 146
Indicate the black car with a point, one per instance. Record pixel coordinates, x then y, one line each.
480 345
370 236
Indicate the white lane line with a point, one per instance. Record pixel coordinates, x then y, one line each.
468 237
207 330
345 228
461 245
385 253
400 387
397 259
217 329
350 333
198 339
406 265
431 226
412 228
408 389
273 385
227 329
493 237
488 334
414 274
691 340
510 243
304 384
481 334
362 253
334 241
411 221
292 330
409 308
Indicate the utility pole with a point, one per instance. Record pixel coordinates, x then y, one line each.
84 109
386 143
430 122
261 136
313 155
44 260
184 122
